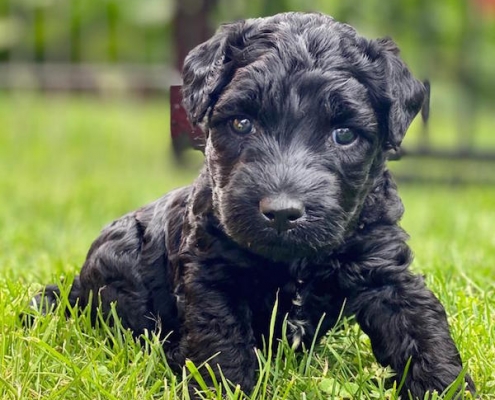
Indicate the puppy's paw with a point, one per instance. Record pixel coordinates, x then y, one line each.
42 303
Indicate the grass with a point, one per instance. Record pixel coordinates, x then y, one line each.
70 165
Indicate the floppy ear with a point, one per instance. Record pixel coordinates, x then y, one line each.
383 204
407 94
207 69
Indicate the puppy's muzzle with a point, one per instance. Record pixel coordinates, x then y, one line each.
282 212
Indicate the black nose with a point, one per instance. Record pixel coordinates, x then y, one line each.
282 212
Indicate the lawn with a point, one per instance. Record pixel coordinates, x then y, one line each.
70 165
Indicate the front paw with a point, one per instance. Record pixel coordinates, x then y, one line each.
417 385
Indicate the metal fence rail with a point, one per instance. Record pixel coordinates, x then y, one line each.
97 78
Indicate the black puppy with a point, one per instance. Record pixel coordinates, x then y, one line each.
294 202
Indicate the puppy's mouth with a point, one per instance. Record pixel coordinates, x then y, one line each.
279 246
307 237
280 227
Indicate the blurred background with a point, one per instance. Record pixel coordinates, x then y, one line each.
75 70
85 137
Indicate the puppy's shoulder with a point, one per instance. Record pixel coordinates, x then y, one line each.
148 231
163 219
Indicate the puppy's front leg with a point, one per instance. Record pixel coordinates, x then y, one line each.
405 320
217 329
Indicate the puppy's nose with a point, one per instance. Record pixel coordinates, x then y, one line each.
281 212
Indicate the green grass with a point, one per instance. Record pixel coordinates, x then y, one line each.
70 165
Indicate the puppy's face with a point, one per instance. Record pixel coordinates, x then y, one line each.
298 115
290 160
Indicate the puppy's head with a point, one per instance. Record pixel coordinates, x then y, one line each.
298 111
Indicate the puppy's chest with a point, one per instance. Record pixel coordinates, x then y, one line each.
304 303
299 322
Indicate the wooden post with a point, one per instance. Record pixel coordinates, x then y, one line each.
191 26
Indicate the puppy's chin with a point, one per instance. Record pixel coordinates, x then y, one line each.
285 247
280 253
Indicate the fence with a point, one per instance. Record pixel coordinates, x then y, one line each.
96 46
136 47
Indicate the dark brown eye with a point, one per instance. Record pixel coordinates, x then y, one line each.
344 136
242 126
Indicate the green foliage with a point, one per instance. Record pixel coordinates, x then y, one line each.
130 31
432 33
70 165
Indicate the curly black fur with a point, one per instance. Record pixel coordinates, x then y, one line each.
205 264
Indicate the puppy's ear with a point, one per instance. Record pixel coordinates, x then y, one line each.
383 204
207 69
407 94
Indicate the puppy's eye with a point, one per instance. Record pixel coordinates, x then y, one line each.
344 136
242 126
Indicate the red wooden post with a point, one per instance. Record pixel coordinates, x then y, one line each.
183 134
